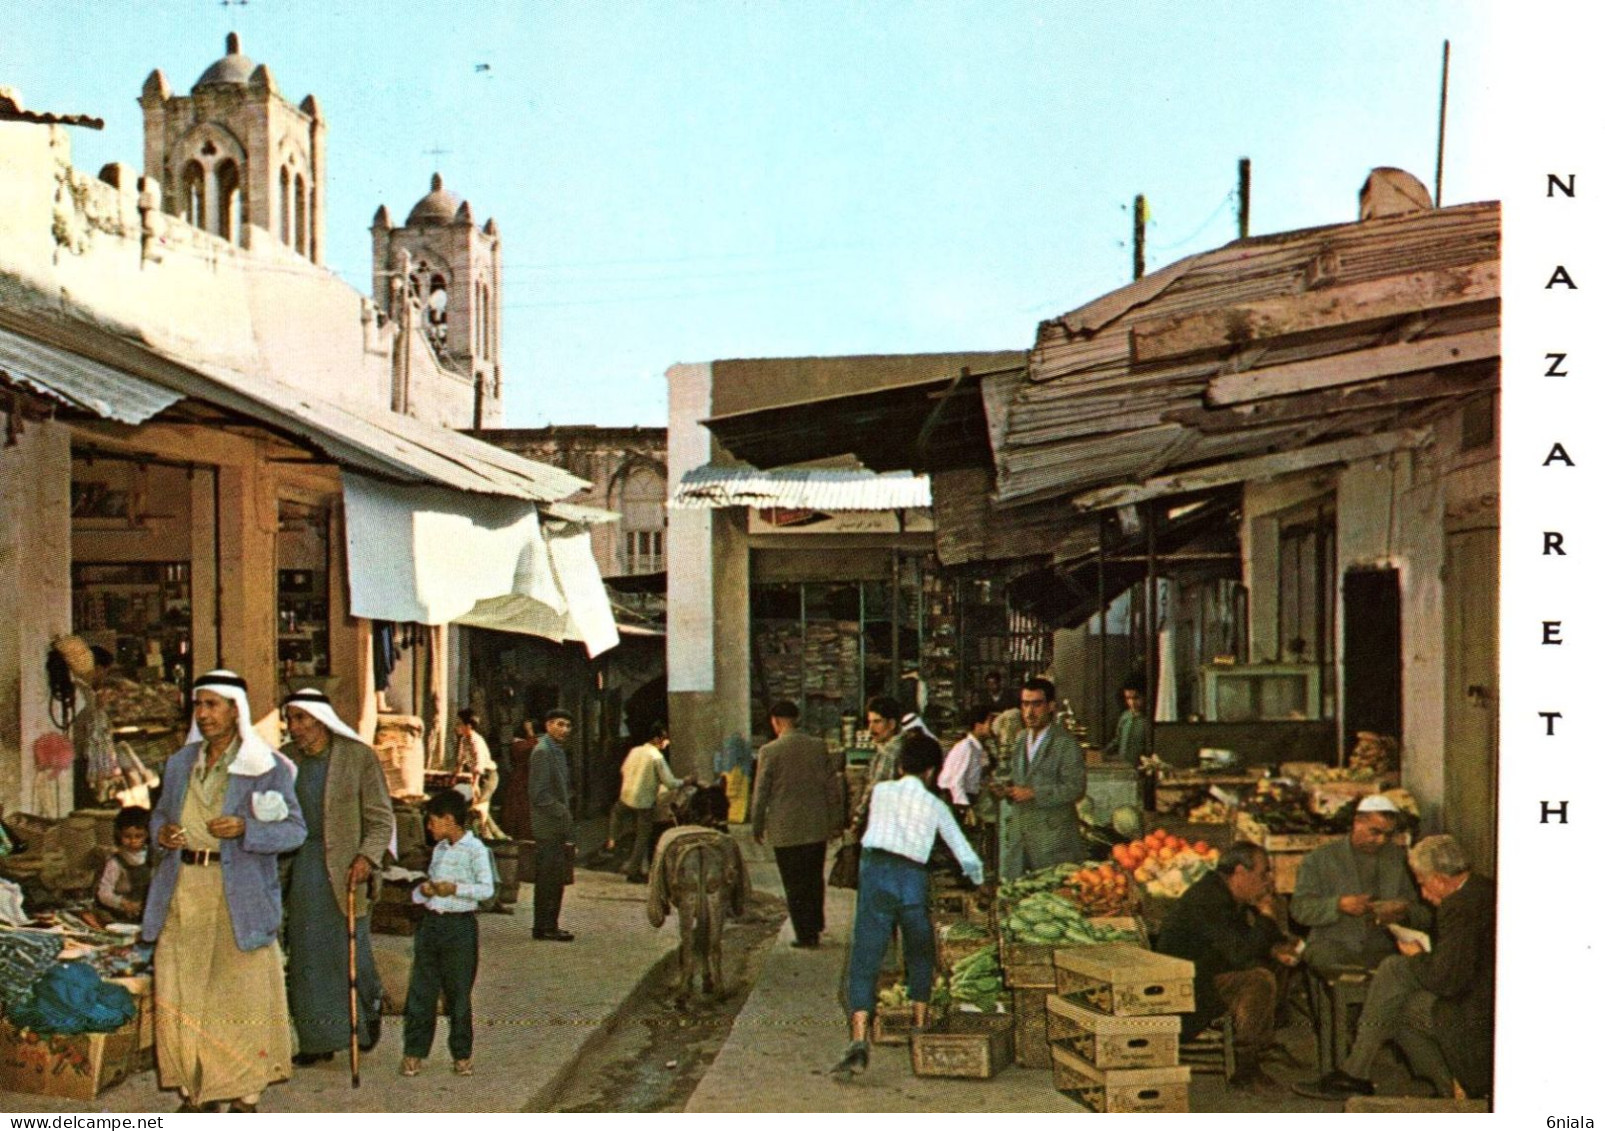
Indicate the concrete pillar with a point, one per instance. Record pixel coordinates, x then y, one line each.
35 606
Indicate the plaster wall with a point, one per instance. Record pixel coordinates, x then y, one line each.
261 310
35 607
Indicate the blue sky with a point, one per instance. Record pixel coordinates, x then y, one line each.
687 181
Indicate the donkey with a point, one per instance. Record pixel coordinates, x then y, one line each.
699 873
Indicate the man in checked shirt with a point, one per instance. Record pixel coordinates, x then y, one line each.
905 817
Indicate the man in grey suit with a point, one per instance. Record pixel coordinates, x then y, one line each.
797 807
1048 775
550 823
1350 890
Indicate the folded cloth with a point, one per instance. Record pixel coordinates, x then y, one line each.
71 997
269 806
24 956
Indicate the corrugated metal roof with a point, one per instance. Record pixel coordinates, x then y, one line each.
713 486
78 382
369 439
1119 390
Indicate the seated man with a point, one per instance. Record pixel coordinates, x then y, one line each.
1223 926
1437 1005
1349 890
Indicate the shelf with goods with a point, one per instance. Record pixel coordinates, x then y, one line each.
303 613
140 613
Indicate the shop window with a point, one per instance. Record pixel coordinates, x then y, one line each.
303 593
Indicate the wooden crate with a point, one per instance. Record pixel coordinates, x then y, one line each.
75 1066
970 1045
1031 1029
893 1024
1120 1089
951 950
1124 980
1114 1042
1251 830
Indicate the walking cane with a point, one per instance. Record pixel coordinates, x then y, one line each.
351 975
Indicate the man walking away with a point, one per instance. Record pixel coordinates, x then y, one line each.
644 775
797 807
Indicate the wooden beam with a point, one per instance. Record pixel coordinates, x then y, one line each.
1433 385
1352 367
1229 327
1257 467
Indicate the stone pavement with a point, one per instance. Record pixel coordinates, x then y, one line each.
537 1006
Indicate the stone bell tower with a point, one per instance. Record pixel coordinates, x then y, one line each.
453 269
235 157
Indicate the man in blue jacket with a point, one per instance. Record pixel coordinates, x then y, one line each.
227 811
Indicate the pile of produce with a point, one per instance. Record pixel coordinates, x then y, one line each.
1209 811
1047 918
1283 810
1099 889
1166 865
965 931
1045 879
978 980
1374 753
894 997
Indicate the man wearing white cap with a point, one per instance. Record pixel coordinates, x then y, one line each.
343 795
1350 890
228 809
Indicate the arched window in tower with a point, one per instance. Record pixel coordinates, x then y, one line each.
192 191
641 505
435 311
286 205
229 217
301 214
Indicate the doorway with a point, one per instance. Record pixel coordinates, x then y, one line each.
1373 661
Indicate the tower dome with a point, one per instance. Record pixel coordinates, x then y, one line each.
233 69
438 208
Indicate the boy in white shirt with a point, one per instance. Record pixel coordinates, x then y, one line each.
905 818
445 951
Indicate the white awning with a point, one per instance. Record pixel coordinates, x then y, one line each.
431 555
713 486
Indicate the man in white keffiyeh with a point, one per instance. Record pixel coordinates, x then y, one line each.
227 812
342 791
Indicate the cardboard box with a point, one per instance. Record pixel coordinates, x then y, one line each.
1120 1090
1123 980
1114 1042
76 1066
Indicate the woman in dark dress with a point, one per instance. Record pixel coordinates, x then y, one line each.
515 798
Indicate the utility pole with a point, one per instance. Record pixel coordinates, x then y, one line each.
1443 117
1139 221
1244 178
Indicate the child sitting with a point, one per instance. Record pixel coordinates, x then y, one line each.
126 877
445 950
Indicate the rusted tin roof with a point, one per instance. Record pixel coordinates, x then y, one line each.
1266 345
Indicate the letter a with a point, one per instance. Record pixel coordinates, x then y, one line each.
1560 276
1557 454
